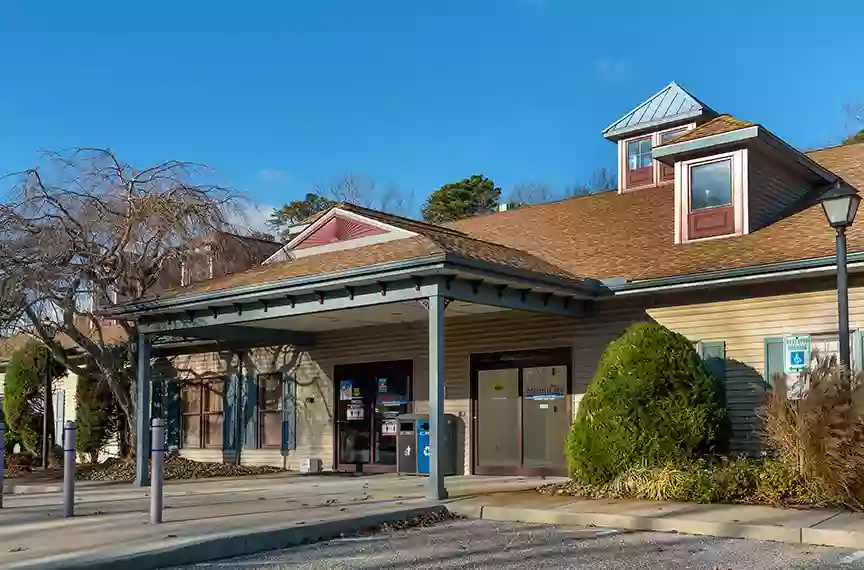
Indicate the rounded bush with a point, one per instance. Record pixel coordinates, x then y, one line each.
652 401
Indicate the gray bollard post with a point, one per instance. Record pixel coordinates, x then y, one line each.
69 469
2 455
157 470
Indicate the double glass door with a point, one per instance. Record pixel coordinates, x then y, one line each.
522 412
369 398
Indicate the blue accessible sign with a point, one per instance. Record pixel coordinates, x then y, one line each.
796 353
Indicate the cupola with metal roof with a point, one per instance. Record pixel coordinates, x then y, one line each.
673 105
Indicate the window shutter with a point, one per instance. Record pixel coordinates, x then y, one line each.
773 358
172 413
250 412
857 351
713 352
231 413
59 415
289 414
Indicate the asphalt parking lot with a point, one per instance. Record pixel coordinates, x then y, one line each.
487 544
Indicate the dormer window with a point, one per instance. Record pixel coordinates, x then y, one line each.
712 193
711 185
640 169
667 172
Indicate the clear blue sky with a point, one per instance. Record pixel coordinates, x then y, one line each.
281 96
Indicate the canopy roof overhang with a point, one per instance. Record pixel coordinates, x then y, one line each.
270 313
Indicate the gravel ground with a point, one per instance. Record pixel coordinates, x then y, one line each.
488 544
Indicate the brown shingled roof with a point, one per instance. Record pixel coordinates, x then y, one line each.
431 240
631 235
716 126
602 236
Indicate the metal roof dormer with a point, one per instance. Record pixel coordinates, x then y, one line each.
670 106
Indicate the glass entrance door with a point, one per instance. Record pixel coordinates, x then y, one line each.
369 398
521 412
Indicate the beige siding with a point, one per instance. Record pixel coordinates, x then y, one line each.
743 323
741 318
772 189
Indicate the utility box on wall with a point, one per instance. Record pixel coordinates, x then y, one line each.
413 444
309 465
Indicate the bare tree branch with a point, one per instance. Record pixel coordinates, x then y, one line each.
86 229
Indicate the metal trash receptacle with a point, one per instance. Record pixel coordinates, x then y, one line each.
419 457
406 447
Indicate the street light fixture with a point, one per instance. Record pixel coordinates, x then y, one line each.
840 205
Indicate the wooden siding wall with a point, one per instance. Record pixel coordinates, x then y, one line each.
464 336
741 318
773 189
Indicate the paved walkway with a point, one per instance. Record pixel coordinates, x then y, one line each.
110 528
829 527
211 519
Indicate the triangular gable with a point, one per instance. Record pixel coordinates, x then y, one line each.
671 105
338 229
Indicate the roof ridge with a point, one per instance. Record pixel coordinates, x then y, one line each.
839 145
537 205
362 210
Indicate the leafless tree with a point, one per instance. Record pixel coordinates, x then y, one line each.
85 229
854 123
600 180
530 193
362 191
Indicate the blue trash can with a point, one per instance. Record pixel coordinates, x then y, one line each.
422 431
421 444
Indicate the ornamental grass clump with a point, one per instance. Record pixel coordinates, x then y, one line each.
820 435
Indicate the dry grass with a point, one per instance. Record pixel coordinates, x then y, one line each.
822 432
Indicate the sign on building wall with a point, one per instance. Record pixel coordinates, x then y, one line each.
796 353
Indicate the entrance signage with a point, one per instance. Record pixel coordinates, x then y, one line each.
345 389
796 353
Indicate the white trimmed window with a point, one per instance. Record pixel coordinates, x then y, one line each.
637 168
710 196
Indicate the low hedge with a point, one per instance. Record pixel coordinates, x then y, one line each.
738 480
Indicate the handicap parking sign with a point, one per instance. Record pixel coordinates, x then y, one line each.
796 353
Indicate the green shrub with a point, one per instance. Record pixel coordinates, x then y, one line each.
652 401
96 416
736 479
779 482
23 400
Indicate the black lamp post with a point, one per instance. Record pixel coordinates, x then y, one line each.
840 204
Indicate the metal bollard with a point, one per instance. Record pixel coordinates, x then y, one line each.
2 455
69 469
157 470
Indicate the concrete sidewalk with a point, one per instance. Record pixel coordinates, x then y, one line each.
827 527
212 518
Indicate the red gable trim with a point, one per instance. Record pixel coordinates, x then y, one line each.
339 229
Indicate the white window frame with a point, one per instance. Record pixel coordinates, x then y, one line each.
739 194
655 142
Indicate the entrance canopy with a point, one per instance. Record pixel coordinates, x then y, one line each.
376 260
349 270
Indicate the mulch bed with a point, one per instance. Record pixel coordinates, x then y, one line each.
122 470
